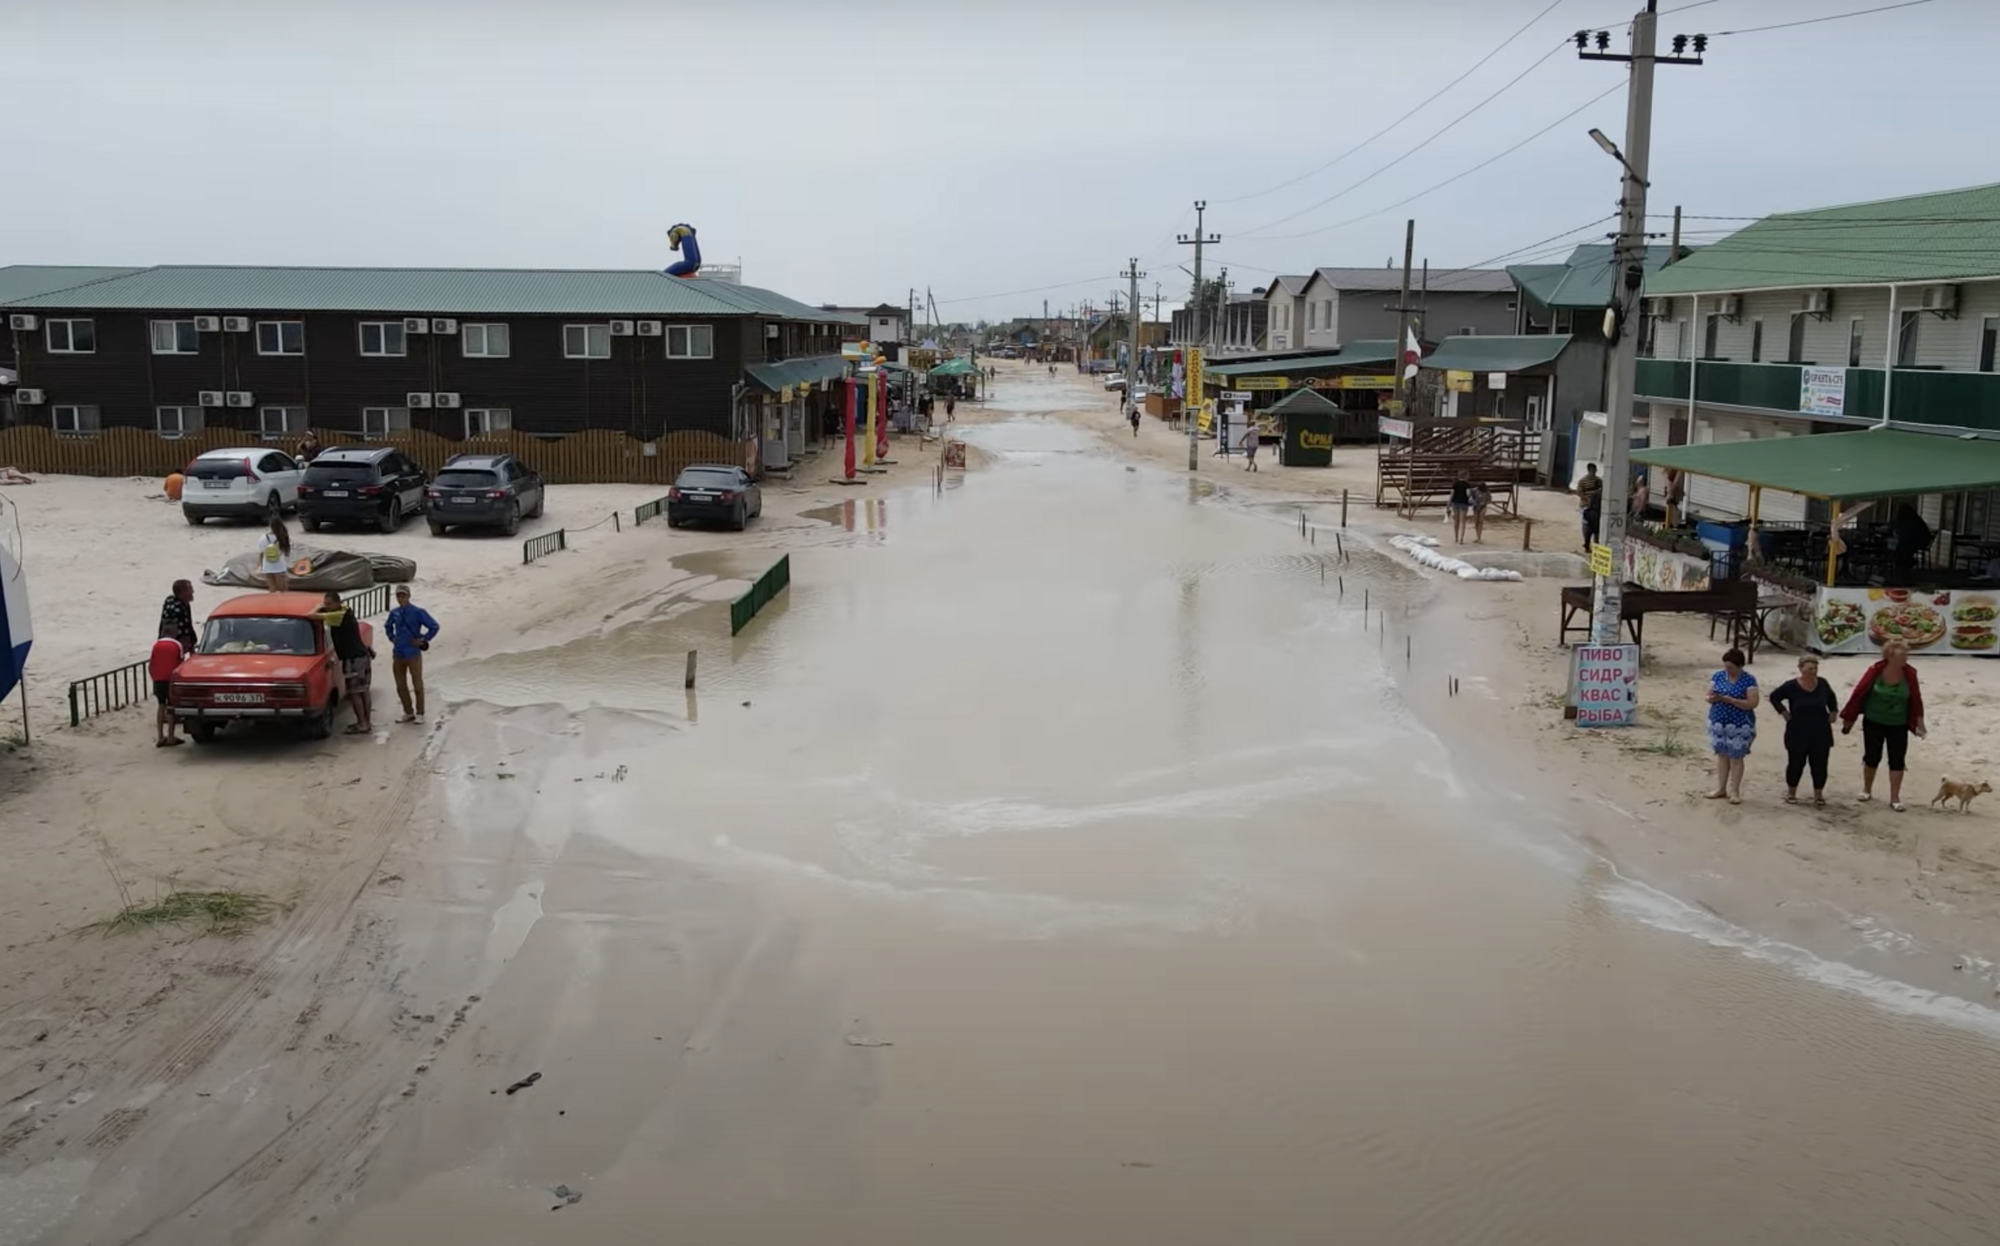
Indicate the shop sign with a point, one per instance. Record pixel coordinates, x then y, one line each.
1604 685
1261 382
1823 391
1458 382
1389 426
1932 623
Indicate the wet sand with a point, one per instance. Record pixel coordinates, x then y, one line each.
1063 860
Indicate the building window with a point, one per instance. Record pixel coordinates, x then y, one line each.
483 421
284 337
75 420
1711 335
1989 337
1756 341
1907 335
72 337
586 341
279 422
1795 342
172 422
1854 342
175 337
1681 342
381 421
382 338
690 341
483 341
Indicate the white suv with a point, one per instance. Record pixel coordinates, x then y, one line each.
256 483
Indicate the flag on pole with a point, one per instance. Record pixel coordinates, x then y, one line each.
1412 350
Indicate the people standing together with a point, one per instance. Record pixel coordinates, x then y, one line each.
1887 701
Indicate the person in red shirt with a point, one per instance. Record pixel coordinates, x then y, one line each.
166 659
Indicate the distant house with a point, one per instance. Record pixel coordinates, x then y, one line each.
1342 305
1236 327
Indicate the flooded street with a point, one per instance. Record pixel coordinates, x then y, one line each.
1059 862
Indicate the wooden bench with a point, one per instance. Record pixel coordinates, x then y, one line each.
1732 601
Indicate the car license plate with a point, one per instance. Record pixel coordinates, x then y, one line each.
215 484
465 501
239 698
335 493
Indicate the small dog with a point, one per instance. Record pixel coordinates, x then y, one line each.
1960 792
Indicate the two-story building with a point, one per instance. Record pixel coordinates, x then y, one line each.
1875 314
1342 305
1285 313
179 351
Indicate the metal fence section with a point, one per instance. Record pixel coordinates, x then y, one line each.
767 586
648 510
107 691
367 601
547 543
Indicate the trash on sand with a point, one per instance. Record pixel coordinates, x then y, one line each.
525 1082
567 1195
862 1040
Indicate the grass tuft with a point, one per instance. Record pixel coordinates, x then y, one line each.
228 913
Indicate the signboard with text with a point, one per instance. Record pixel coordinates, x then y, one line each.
1261 382
1604 685
1193 372
1600 560
1458 382
1823 391
1389 426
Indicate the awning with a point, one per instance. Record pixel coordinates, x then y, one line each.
1845 467
774 378
1354 355
1302 400
954 367
1496 354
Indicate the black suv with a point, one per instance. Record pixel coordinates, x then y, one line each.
376 485
484 491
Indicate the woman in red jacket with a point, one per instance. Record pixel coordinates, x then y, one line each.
1891 709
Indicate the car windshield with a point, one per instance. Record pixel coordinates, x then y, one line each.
217 469
465 478
323 472
706 478
253 634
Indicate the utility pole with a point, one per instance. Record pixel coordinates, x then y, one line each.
1403 310
1628 277
1191 405
1132 274
910 320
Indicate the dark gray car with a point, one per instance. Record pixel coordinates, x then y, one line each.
374 485
484 491
715 493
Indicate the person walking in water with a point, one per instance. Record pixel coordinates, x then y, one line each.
1250 442
411 630
1890 705
274 556
1810 708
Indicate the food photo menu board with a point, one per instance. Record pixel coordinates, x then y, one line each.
1862 620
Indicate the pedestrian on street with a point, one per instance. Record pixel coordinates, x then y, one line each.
1890 704
1133 416
357 661
165 659
1809 707
1590 503
177 615
1482 497
274 556
1250 443
309 449
950 406
1460 507
1732 724
411 630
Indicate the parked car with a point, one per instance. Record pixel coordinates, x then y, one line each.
714 492
263 657
254 483
1114 381
377 485
484 491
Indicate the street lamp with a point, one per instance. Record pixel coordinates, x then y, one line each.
1611 150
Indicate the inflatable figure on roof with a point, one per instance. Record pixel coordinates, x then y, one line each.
681 238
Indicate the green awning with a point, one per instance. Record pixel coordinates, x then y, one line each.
1845 467
1354 355
1302 400
774 377
1496 354
954 367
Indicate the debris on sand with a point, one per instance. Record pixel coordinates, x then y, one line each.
525 1082
862 1040
229 913
567 1195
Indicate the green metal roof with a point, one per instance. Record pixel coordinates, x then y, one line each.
1303 400
1363 354
954 367
1950 236
773 377
1496 354
1847 467
19 281
441 291
1538 281
1583 281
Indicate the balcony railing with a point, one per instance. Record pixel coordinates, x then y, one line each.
1968 400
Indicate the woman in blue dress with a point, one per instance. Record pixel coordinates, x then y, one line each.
1732 724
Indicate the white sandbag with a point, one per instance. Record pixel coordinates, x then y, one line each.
1423 550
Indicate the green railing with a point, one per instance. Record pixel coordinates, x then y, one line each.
106 691
648 510
547 543
368 601
768 585
1968 400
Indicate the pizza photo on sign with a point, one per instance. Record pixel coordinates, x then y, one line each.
1913 623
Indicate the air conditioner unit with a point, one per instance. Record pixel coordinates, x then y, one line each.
444 324
416 324
239 398
1660 309
446 400
207 324
1731 306
22 322
30 397
649 328
1941 298
236 324
621 328
1818 302
416 399
210 397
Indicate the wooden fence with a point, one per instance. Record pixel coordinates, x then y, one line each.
595 457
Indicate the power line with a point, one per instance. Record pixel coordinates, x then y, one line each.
1448 127
1814 21
1062 285
1432 99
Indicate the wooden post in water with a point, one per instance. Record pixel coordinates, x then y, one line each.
1527 531
1343 508
690 670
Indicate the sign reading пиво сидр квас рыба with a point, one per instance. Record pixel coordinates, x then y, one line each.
1604 685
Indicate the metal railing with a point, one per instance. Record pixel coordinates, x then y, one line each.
648 510
547 543
367 601
767 586
107 691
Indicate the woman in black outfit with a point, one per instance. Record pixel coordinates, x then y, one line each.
1810 708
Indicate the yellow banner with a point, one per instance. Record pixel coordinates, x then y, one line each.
1600 559
1458 382
1262 382
1194 374
1205 422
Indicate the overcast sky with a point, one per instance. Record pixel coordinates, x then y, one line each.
847 153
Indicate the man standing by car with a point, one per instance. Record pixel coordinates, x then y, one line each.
165 659
357 664
177 615
411 630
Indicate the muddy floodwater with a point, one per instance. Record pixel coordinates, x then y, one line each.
1061 861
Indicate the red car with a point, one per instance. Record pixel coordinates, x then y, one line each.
263 656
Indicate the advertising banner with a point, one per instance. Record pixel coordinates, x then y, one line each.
1389 426
1649 566
1934 624
1262 382
1823 391
1604 685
